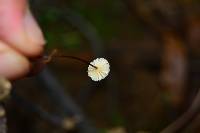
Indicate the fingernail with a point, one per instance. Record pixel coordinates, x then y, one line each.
32 29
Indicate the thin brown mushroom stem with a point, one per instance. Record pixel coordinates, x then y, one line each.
76 58
54 54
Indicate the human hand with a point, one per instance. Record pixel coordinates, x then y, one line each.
20 38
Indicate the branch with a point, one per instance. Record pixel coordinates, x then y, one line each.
186 118
56 93
86 28
35 109
76 20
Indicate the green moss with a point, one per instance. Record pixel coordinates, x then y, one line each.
71 40
117 119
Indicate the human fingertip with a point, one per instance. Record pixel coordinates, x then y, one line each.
12 64
32 29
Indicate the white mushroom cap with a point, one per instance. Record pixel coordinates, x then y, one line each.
102 70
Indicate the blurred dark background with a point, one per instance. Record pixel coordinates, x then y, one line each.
154 52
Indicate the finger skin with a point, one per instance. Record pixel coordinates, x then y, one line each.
12 64
19 28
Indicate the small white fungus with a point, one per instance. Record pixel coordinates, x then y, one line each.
101 71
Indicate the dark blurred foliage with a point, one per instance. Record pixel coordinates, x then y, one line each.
154 52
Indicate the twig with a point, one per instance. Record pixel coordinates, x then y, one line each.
86 28
186 118
55 91
80 23
35 109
